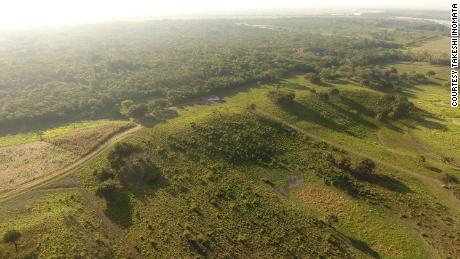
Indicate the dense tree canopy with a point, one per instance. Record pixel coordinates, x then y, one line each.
87 71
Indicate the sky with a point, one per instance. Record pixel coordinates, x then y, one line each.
26 13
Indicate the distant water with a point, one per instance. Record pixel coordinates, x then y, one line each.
442 22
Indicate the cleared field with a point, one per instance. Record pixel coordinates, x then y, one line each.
25 162
85 140
439 47
21 163
13 139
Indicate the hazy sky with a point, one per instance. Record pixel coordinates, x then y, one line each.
20 13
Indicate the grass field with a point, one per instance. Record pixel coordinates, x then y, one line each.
439 47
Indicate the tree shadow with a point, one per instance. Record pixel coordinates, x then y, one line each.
363 247
387 182
433 169
356 106
340 81
431 124
391 126
353 116
305 113
119 208
408 92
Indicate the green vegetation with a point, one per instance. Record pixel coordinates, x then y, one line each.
37 85
319 150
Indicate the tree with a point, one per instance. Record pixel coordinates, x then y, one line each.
251 107
281 97
12 236
323 96
334 91
450 179
344 164
447 160
138 111
125 106
40 134
315 79
420 159
365 167
431 73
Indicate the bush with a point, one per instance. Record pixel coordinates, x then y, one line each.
450 179
138 110
395 106
431 73
137 170
457 192
107 189
104 174
120 151
344 164
315 79
420 159
447 160
281 97
323 96
251 107
12 236
365 167
334 91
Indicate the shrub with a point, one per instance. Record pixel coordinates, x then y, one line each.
138 110
138 169
315 79
420 159
251 107
120 151
344 164
431 73
395 106
281 97
12 236
106 189
323 96
457 192
450 179
332 219
334 91
447 160
104 174
365 167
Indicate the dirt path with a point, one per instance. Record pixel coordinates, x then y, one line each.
433 184
67 169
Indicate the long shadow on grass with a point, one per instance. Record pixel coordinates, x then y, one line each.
353 117
356 106
119 207
132 186
363 247
387 182
305 113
